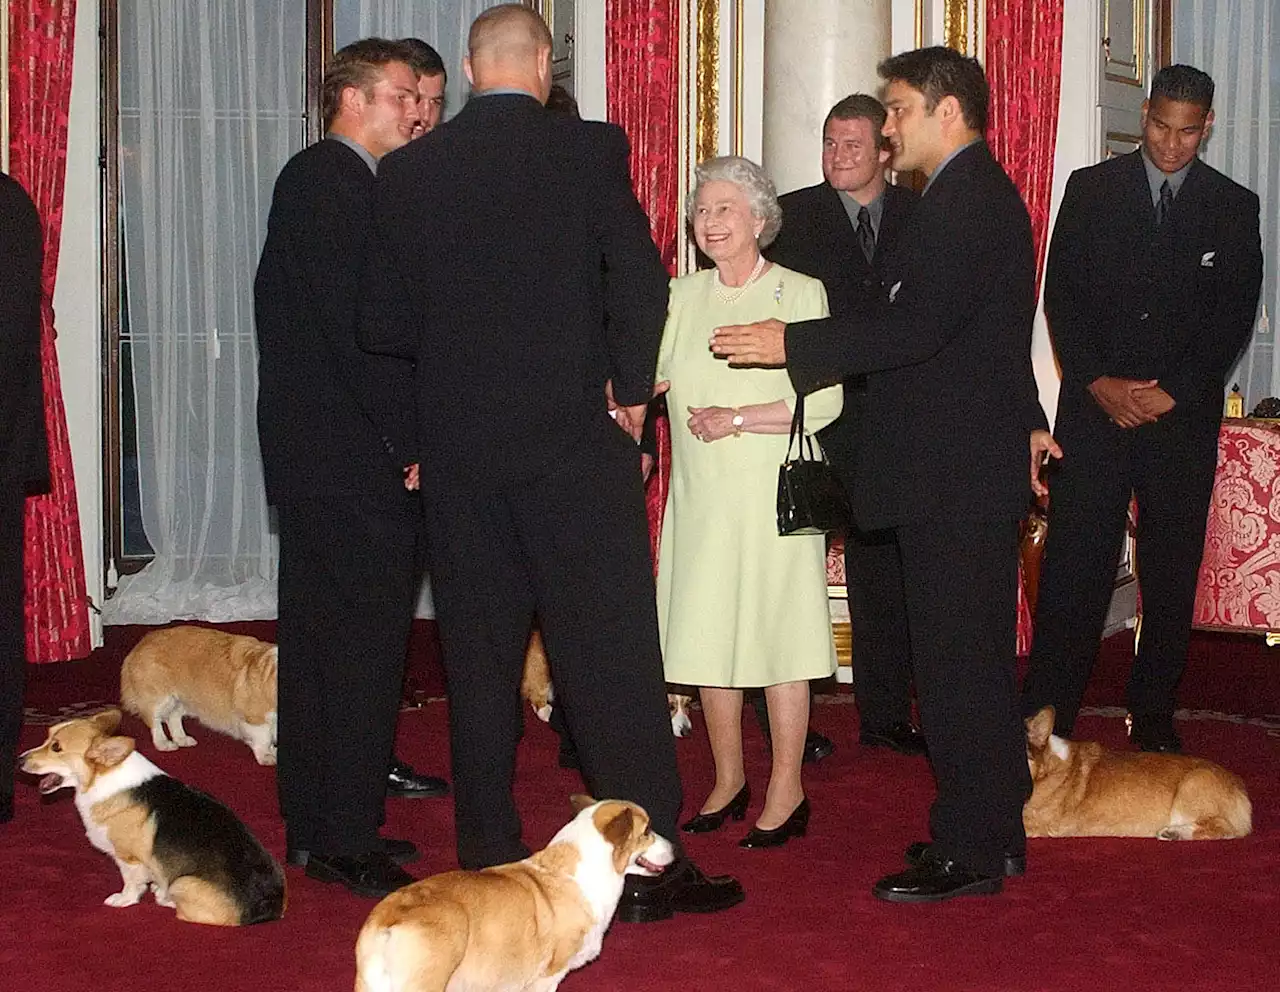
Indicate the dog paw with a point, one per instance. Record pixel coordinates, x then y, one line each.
1174 833
544 713
186 741
166 745
118 900
266 758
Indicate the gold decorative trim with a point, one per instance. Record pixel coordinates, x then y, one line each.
4 85
919 23
738 89
707 81
1137 69
842 634
955 25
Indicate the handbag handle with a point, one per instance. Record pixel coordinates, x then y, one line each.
797 430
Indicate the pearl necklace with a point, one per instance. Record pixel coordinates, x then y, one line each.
727 295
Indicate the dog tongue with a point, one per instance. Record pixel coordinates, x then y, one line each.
50 783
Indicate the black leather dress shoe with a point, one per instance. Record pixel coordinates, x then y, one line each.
372 875
736 807
404 783
682 888
934 881
902 737
1155 735
400 851
795 825
922 851
816 747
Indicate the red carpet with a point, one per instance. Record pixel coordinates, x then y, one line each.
1092 914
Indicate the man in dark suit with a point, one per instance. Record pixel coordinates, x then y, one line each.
532 494
337 433
1151 291
839 231
951 401
24 464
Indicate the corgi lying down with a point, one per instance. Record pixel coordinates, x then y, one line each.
516 926
1082 789
226 681
537 689
188 848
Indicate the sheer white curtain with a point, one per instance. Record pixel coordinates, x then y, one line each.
211 107
1237 43
442 24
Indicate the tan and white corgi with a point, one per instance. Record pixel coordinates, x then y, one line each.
517 926
192 851
539 691
1082 789
226 681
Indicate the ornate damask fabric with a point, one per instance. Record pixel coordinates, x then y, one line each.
642 62
41 49
1239 584
1024 69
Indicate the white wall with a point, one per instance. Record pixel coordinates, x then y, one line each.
77 301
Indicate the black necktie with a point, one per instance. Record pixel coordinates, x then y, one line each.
866 233
1166 203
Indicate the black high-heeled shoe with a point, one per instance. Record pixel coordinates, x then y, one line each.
704 823
795 825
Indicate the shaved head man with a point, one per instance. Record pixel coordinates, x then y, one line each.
509 47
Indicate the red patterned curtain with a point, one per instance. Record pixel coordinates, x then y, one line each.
41 49
1024 67
642 64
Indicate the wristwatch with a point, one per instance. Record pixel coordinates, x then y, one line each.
738 421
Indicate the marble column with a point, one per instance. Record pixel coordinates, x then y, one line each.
815 53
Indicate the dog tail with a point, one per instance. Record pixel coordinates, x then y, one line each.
1238 813
406 956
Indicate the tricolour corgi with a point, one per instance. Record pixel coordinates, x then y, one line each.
226 681
538 690
186 846
517 926
1082 789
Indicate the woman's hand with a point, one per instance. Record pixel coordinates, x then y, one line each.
711 423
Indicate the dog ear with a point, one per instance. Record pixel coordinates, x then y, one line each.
618 832
1039 727
109 751
579 801
107 721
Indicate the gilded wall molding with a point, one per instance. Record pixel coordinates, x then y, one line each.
4 85
707 81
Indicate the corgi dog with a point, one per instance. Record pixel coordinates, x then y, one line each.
226 681
1082 789
539 692
516 926
187 847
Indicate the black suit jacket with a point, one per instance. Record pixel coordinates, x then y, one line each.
951 397
518 269
1175 304
24 464
331 418
817 239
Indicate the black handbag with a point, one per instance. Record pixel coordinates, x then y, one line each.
811 498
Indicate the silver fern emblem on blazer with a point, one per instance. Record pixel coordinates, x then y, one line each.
1206 260
893 290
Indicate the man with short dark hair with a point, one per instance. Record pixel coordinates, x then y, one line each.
1151 292
428 66
840 231
951 401
338 449
24 462
532 495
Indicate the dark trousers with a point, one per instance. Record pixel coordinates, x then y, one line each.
348 573
960 579
573 547
13 651
1169 466
878 619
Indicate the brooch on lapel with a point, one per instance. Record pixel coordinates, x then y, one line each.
777 293
1206 260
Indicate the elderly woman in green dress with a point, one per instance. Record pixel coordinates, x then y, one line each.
739 606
